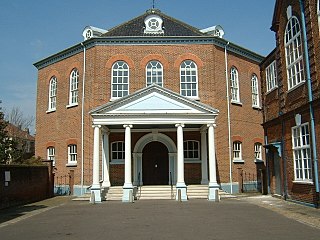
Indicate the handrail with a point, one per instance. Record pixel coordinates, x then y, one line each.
139 186
171 184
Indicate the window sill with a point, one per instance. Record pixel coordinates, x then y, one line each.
72 105
238 161
256 108
71 164
297 86
258 160
192 161
236 103
117 162
271 90
303 182
50 111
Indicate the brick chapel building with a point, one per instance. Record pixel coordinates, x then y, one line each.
291 102
152 101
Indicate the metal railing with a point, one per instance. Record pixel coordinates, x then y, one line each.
62 185
171 185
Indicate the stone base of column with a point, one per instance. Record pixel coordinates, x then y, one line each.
204 182
213 192
127 195
104 192
95 195
181 194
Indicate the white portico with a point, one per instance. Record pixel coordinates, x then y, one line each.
155 112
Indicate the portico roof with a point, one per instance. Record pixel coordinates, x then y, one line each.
154 105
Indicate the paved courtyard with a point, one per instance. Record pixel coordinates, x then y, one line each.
232 218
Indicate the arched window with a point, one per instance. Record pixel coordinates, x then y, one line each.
74 84
188 79
52 94
120 79
234 85
154 73
294 53
255 91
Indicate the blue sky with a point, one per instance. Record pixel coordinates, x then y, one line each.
35 29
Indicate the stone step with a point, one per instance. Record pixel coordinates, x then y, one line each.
155 192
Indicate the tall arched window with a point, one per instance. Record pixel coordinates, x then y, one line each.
234 85
52 94
120 79
294 53
255 91
74 84
188 79
154 73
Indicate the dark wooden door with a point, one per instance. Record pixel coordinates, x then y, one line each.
155 164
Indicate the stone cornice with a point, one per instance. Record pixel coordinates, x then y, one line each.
115 41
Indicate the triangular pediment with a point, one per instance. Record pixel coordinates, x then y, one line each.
154 105
154 100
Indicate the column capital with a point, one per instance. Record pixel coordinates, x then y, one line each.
96 125
127 125
212 125
179 125
105 130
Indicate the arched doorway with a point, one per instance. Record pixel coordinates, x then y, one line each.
155 164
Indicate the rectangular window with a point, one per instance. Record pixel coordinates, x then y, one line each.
51 155
72 154
271 77
301 153
117 152
258 151
237 152
191 150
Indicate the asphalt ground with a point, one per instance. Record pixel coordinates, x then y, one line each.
240 217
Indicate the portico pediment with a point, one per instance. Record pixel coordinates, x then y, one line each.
151 103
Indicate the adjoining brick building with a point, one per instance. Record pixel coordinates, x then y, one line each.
168 103
291 101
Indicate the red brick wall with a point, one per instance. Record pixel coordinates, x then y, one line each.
65 123
27 184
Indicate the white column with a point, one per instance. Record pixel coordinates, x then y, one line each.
180 186
127 187
213 185
204 157
95 188
105 159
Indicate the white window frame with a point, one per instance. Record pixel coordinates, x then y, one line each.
74 88
154 73
191 150
189 79
234 85
271 77
52 103
120 80
255 91
237 151
72 154
51 155
302 153
294 53
115 150
258 152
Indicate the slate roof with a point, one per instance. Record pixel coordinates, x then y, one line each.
171 27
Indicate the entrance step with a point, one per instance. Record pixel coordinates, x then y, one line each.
156 192
114 193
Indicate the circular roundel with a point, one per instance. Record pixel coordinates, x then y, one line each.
153 23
